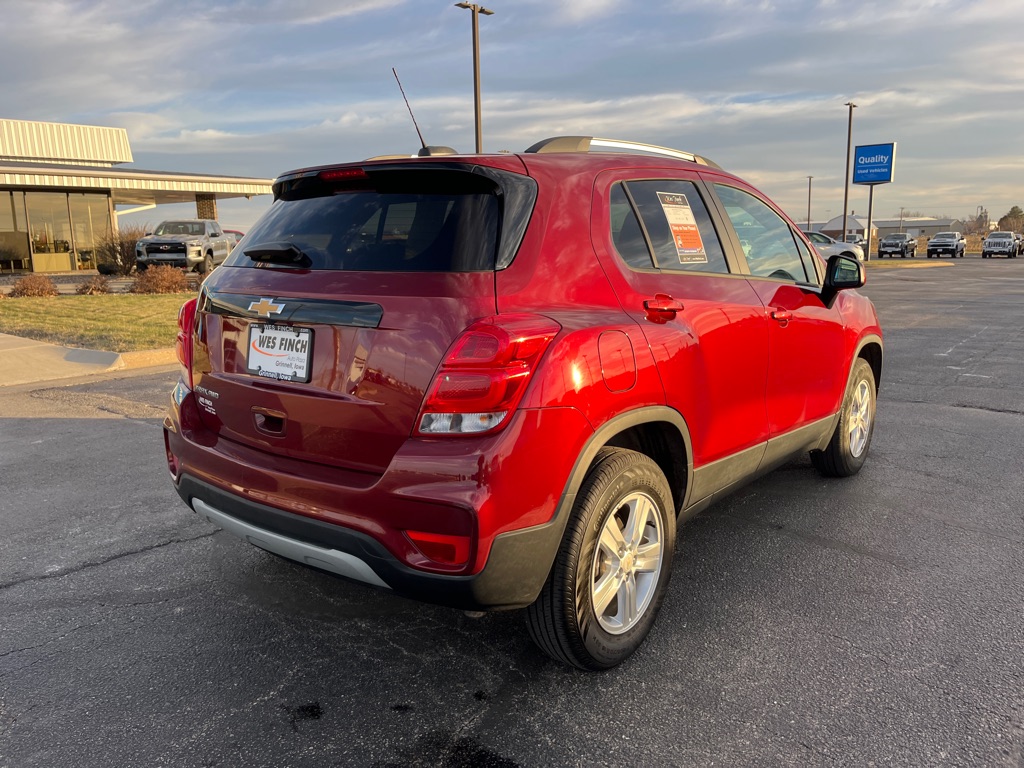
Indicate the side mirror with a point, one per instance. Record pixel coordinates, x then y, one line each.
841 273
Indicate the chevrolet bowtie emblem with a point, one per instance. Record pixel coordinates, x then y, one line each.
265 307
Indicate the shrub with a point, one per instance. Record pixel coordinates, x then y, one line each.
34 285
160 280
115 253
95 285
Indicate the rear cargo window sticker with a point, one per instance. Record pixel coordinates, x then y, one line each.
685 235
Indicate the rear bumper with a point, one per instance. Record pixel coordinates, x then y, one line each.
511 578
354 525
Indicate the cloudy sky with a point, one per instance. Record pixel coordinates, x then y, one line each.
257 87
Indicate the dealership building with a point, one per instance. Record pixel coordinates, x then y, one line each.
61 185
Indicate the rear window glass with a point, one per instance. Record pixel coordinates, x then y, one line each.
416 225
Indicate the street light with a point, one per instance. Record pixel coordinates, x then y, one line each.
809 203
846 181
477 10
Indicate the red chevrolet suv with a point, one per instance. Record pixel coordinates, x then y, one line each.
499 381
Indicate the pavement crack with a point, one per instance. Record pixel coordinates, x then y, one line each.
104 561
967 407
50 641
826 543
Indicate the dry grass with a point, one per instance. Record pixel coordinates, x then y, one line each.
114 322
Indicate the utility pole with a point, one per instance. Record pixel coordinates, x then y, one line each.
846 180
809 203
477 10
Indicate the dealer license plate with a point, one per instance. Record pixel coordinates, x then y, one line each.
279 352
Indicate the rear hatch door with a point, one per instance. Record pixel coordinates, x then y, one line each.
318 339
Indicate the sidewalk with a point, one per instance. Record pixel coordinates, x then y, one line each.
24 361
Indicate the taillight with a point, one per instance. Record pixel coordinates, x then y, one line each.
186 325
485 374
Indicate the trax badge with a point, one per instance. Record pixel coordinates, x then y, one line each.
265 307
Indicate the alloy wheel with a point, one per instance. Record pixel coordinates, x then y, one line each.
860 418
627 563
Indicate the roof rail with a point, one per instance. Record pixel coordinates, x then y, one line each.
586 143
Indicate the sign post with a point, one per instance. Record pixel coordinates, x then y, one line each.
873 164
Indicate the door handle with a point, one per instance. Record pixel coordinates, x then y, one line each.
782 315
662 302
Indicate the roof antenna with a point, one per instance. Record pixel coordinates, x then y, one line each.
422 142
425 151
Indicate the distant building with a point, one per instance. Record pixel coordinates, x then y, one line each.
918 226
60 185
854 226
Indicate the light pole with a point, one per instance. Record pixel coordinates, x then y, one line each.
809 203
846 180
477 10
902 209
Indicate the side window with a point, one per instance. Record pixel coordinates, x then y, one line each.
626 233
768 243
678 225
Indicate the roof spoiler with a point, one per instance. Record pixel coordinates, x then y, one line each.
588 143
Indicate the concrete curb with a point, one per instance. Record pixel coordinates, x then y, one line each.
25 361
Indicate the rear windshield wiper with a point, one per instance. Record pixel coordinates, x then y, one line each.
282 252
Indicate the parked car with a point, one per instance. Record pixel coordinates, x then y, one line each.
447 378
952 243
857 240
235 235
195 245
898 243
1020 242
828 246
999 244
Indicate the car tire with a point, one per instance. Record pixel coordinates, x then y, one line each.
616 552
207 266
848 448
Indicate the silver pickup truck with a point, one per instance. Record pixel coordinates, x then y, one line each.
195 245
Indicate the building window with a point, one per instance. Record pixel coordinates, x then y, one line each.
90 225
14 250
49 225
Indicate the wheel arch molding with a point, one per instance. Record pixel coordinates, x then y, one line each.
657 431
870 348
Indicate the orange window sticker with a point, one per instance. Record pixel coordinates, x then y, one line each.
689 246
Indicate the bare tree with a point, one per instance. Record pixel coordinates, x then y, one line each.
116 252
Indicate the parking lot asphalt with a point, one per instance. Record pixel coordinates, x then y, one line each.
873 620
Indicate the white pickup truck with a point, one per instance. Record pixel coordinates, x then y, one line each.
195 245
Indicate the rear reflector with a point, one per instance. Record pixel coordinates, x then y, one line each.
441 548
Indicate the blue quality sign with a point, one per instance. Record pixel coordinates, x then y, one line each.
874 163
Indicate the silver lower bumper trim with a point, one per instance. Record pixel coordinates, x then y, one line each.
341 563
